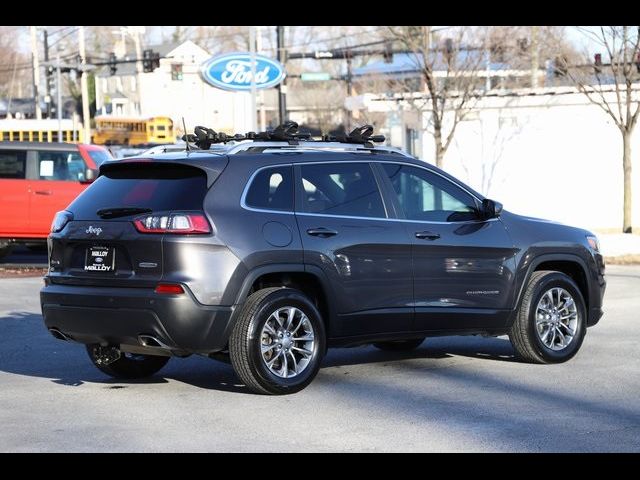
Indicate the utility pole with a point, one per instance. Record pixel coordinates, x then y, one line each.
263 114
47 78
135 33
534 57
59 94
252 50
36 71
84 87
282 87
349 115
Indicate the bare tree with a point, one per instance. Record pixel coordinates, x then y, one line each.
450 74
613 85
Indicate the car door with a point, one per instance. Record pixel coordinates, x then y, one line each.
346 233
463 266
57 179
14 193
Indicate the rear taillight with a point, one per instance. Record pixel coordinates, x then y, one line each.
60 220
169 289
173 223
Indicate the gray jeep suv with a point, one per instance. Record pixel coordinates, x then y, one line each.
271 250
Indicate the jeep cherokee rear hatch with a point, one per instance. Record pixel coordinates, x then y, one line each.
113 232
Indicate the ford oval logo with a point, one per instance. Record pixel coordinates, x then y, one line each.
232 71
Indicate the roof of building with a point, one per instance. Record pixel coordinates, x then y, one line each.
403 63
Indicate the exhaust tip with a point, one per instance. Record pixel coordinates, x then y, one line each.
151 341
59 335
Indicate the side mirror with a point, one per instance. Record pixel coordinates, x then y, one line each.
89 175
490 209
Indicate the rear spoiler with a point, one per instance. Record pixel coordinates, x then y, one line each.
211 166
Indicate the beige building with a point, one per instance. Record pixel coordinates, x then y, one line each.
175 89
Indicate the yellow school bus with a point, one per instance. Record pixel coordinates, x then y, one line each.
112 130
12 130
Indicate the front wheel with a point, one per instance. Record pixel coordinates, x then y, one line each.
550 323
278 341
129 365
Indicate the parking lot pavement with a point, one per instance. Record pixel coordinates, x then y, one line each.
452 394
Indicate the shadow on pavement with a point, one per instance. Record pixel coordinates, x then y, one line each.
27 348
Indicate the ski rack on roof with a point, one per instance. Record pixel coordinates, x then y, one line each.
204 137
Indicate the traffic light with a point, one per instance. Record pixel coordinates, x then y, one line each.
523 45
150 60
597 63
113 63
388 52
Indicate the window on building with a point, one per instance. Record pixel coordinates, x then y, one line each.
176 71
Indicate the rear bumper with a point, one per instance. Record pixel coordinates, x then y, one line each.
119 315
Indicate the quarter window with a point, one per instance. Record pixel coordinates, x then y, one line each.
425 196
348 189
272 189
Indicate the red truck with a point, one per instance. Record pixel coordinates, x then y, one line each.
36 181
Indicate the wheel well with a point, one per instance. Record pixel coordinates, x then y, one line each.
305 282
573 270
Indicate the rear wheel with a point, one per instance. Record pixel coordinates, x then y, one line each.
278 341
400 345
129 365
550 323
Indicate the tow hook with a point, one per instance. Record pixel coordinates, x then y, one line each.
105 355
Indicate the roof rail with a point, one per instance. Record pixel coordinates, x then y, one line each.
204 137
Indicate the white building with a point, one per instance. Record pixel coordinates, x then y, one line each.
175 89
548 154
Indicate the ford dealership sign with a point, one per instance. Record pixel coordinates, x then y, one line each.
232 71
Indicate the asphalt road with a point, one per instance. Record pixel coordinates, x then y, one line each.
452 394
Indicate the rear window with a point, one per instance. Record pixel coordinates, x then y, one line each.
12 164
158 187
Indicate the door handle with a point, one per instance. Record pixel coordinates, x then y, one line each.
321 232
427 235
43 192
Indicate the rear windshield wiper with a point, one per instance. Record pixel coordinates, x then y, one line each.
114 212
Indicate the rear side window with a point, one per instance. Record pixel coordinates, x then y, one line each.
272 189
63 166
348 189
12 164
158 187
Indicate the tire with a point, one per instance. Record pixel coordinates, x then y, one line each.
249 336
130 366
400 345
5 251
524 333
